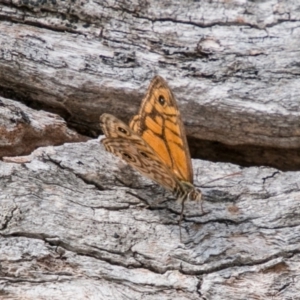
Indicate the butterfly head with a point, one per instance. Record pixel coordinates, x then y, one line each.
195 195
190 192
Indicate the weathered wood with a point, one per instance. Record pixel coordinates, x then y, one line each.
233 66
74 224
23 129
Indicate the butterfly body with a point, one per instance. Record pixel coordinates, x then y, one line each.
154 143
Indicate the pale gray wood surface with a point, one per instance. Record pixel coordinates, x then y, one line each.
233 65
75 224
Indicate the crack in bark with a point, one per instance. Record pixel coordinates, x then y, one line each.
270 176
8 217
82 177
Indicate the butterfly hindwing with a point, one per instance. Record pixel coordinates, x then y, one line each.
159 124
125 143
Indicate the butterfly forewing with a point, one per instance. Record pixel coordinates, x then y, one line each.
159 124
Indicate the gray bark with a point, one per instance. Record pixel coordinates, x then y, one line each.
233 67
77 226
76 222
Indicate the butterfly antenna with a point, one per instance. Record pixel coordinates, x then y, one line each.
229 175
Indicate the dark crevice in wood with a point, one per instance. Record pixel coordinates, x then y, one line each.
65 27
135 13
246 155
243 155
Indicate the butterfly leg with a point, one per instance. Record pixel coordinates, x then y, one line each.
180 220
202 210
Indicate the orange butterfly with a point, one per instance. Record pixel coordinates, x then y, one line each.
155 142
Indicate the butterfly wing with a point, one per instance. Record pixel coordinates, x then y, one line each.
125 143
159 124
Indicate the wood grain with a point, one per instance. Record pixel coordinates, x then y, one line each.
79 224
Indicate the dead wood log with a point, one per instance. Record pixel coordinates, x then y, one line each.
233 67
78 226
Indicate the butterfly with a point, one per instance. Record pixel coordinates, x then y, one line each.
155 143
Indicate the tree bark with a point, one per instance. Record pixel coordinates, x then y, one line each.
76 222
86 226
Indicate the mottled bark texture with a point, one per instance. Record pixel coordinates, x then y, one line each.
78 223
